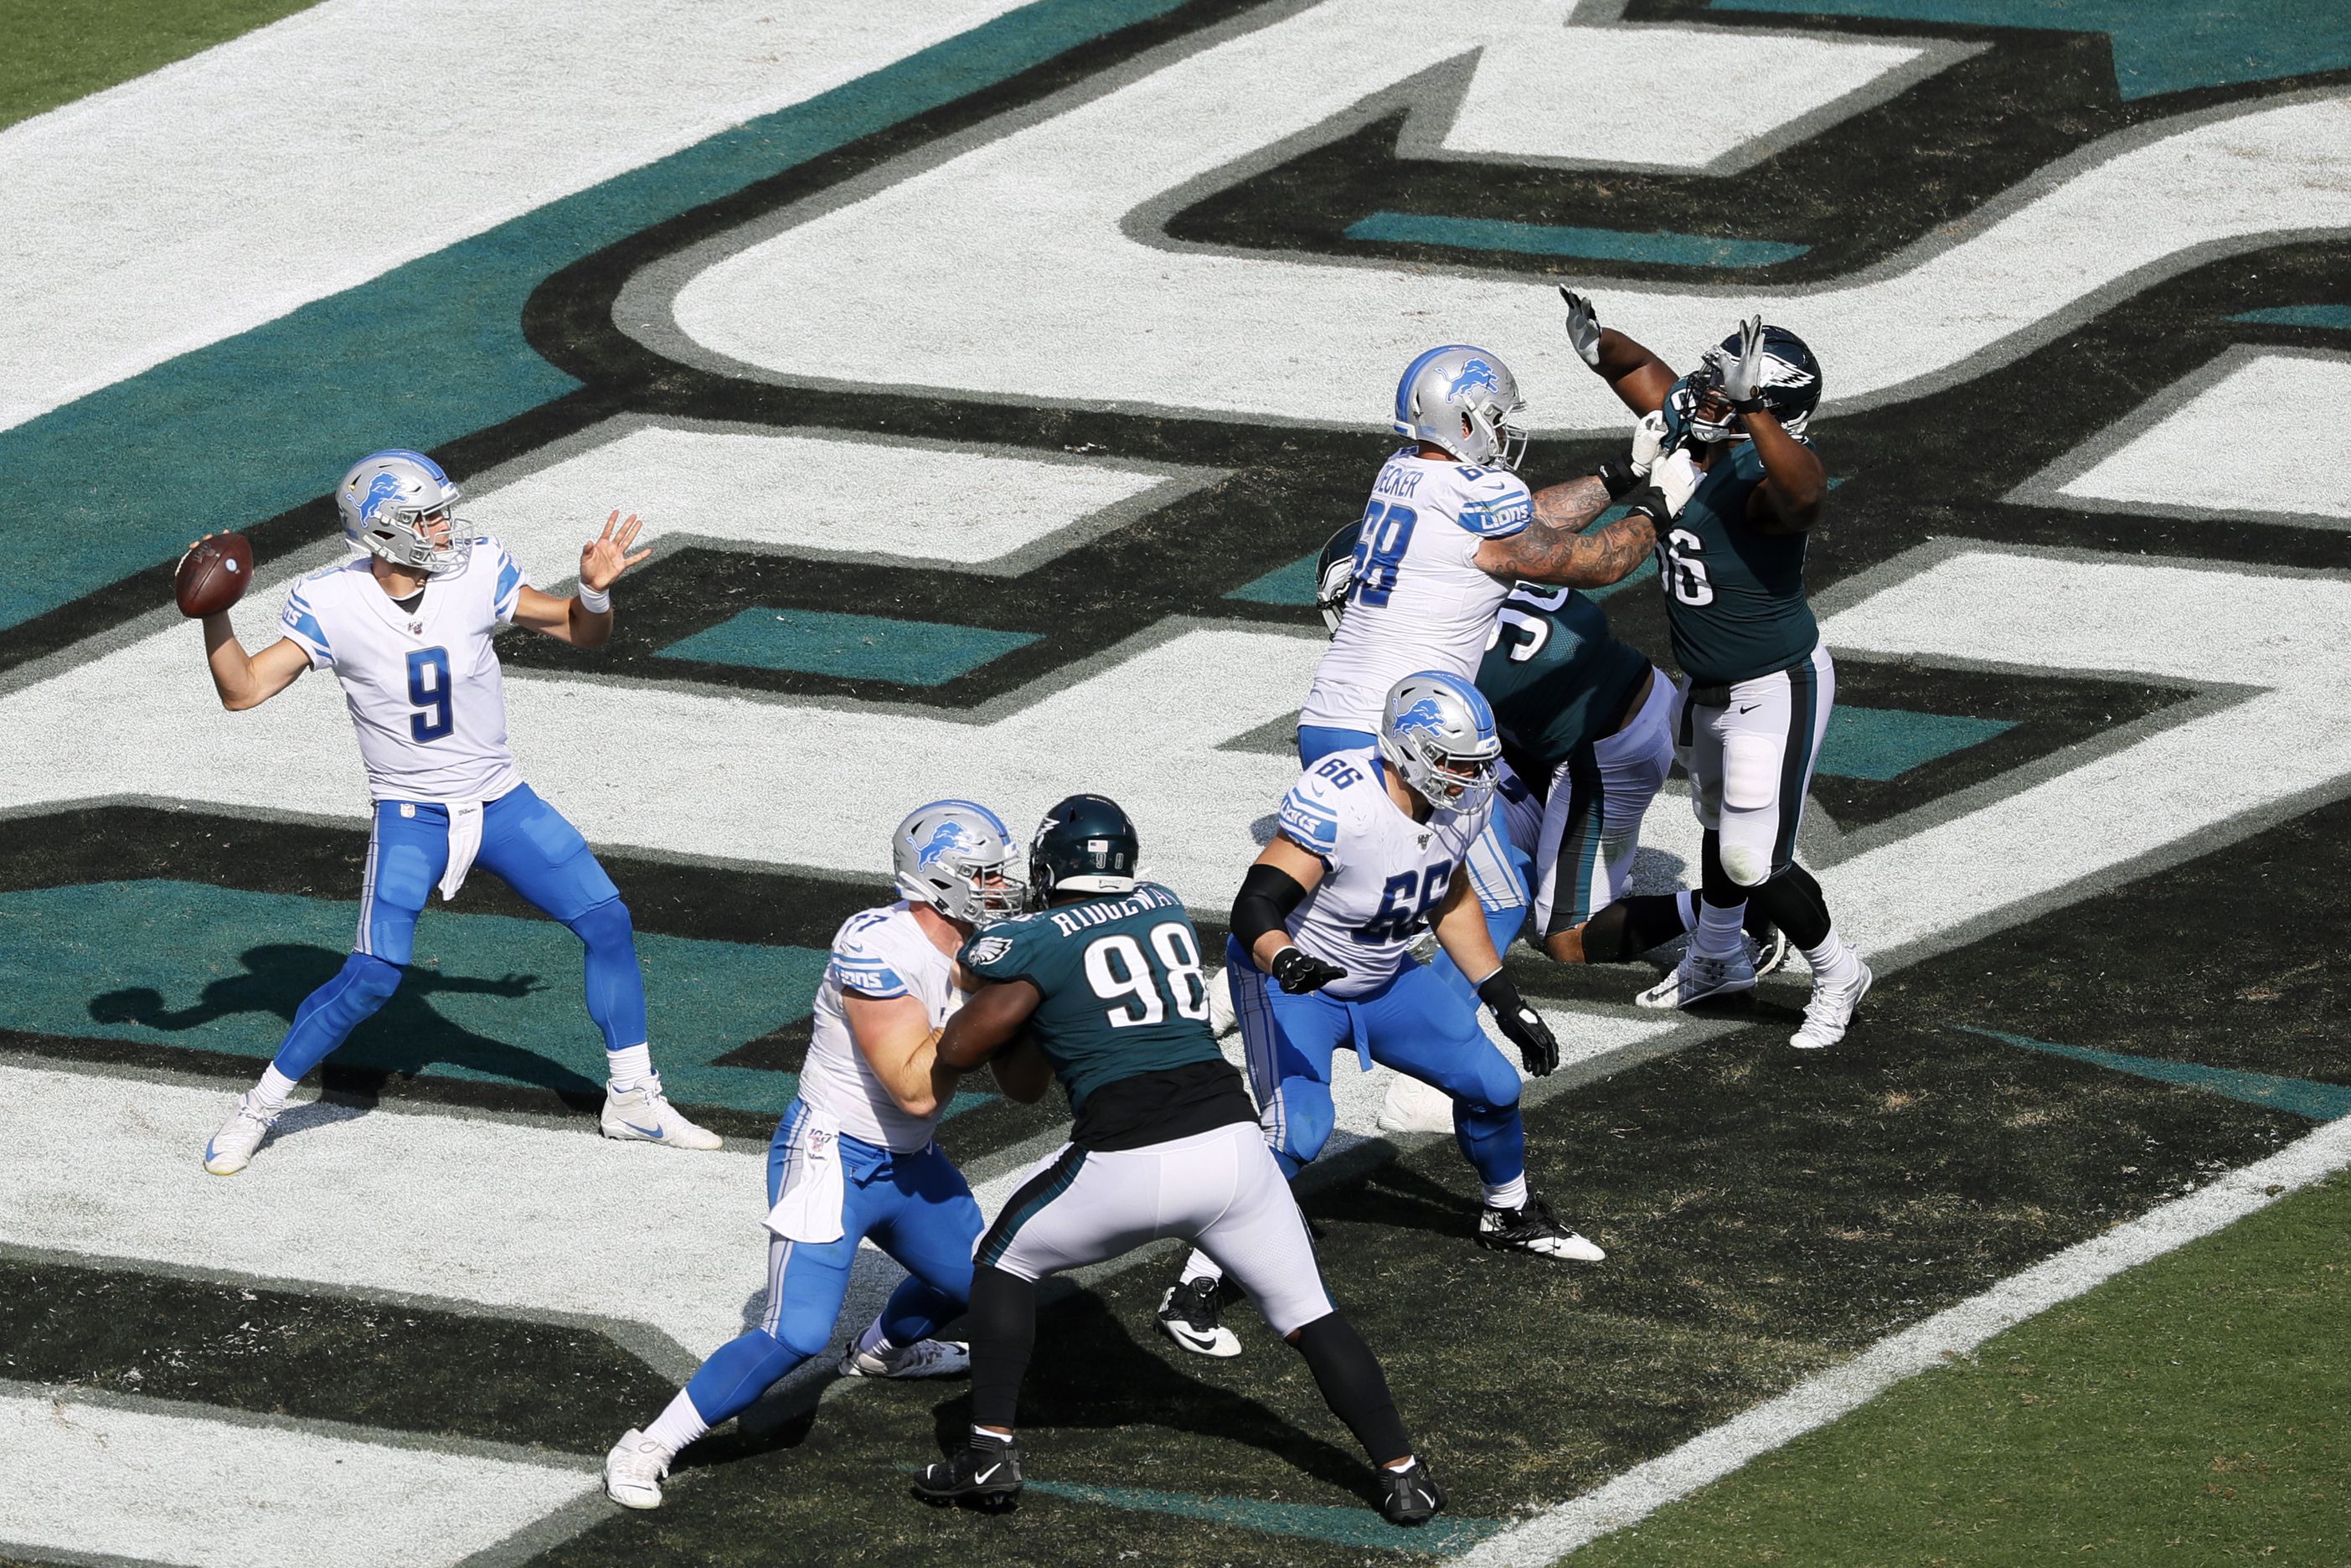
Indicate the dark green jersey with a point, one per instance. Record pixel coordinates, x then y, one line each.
1123 997
1734 597
1557 678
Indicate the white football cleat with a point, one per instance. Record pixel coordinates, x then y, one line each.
1700 976
1413 1106
1222 1018
645 1115
924 1358
232 1147
634 1470
1190 1313
1535 1229
1829 1012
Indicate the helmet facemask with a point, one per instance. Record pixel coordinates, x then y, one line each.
393 503
1446 780
957 857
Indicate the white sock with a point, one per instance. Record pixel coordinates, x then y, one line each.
271 1091
629 1066
676 1427
1832 960
1398 1466
873 1342
991 1437
1717 933
1511 1194
1687 903
1200 1266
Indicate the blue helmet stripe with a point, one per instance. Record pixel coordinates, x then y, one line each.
993 819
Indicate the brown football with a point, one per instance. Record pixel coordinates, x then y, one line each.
214 574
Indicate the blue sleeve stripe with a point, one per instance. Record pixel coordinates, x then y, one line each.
300 620
508 575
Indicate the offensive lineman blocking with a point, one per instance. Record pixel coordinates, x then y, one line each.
407 628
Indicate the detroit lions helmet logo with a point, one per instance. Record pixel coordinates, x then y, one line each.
949 836
386 487
1422 715
1475 373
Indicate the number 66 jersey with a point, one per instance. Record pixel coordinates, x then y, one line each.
1385 875
425 688
1419 600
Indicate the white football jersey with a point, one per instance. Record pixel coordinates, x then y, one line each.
1419 602
879 953
1385 875
424 690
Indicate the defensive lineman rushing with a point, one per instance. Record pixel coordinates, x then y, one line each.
1369 849
1760 682
407 628
1103 987
854 1158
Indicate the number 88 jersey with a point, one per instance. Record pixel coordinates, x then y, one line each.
1418 600
424 690
1384 875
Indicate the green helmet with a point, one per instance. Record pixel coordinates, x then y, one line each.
1085 845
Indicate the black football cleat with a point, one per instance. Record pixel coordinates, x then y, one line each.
1411 1495
1533 1230
1189 1314
985 1476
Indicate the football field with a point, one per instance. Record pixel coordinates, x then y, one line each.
988 376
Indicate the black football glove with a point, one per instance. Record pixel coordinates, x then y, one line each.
1298 971
1525 1027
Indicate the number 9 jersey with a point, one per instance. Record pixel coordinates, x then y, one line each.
1385 875
424 689
1419 600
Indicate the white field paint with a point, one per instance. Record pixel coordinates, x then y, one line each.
704 772
140 1481
1817 1401
1059 292
773 492
2266 441
2285 636
312 155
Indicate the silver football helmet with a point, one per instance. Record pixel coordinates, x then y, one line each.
1438 731
1463 400
389 502
957 857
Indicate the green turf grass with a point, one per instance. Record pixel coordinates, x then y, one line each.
54 54
2192 1411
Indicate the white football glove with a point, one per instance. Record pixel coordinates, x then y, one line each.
1583 326
1742 373
1649 441
1678 476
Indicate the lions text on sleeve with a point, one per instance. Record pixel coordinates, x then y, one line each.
1385 875
1419 600
879 953
424 690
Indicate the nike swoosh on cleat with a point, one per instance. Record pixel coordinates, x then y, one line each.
652 1133
981 1479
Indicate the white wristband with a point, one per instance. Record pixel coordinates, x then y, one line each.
595 601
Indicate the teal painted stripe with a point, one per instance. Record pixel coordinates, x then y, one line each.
1291 584
1645 572
1340 1526
2298 1096
2336 317
227 436
865 647
1558 239
1885 743
490 998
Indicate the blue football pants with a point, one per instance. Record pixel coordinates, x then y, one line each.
916 1207
531 847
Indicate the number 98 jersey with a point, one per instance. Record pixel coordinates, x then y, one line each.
1120 974
1385 876
1418 600
424 690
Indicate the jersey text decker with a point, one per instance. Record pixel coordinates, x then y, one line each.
1734 596
1386 875
424 690
1418 600
881 953
1124 995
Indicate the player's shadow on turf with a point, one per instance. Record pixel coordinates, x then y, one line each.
405 1036
1090 1373
1399 1198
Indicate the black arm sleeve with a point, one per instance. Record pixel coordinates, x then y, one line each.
1268 895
